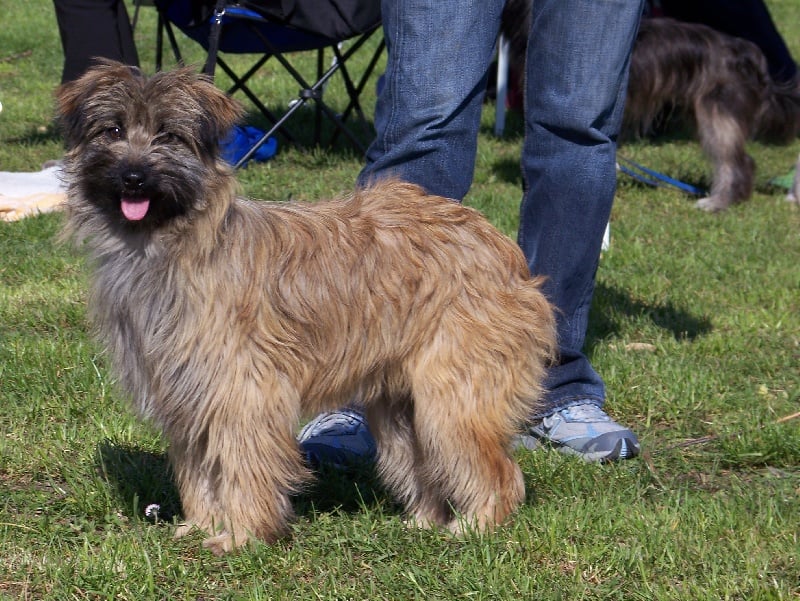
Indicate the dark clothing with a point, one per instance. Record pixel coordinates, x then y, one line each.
748 19
93 29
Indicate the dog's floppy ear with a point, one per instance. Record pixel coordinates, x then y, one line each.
72 97
220 112
212 112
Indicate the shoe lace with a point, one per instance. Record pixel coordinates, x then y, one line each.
586 413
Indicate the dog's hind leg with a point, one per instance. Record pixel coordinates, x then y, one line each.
399 464
464 432
723 137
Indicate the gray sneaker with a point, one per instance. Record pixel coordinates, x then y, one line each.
586 431
340 439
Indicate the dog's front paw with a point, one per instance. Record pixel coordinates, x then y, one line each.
420 523
711 204
184 529
224 542
191 526
219 541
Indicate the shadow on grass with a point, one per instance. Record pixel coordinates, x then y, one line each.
508 170
609 302
39 136
139 477
514 129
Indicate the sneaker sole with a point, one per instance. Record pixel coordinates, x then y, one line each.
621 451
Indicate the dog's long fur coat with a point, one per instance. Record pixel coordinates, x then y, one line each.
227 319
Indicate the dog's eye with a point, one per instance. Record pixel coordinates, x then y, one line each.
114 133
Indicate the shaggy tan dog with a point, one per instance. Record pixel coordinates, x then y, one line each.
229 319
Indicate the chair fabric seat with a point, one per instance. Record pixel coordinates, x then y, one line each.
238 36
274 29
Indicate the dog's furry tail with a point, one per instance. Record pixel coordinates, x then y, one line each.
779 119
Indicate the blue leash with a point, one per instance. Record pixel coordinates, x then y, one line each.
656 179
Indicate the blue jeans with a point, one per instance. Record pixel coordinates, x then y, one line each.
428 115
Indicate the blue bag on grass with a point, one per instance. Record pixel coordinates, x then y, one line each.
241 138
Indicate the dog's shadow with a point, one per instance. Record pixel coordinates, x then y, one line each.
140 479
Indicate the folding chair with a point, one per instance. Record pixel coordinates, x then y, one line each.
273 29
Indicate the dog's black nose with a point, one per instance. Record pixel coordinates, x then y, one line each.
133 180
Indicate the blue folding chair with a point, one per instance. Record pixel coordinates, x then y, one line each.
272 29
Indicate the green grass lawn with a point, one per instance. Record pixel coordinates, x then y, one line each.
695 328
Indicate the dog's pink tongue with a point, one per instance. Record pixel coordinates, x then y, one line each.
135 209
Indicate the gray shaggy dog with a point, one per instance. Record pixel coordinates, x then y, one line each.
690 74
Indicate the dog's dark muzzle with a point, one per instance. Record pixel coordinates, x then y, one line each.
134 201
